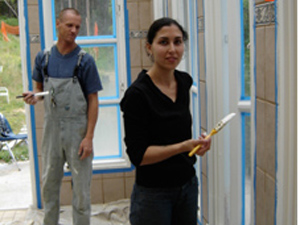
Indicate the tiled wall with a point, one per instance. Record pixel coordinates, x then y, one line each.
265 113
113 186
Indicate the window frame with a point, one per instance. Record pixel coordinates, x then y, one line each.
119 40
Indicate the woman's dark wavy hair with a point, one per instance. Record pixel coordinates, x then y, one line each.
159 23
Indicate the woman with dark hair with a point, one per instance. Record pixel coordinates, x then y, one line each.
158 134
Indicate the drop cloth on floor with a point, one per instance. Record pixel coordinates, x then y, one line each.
113 213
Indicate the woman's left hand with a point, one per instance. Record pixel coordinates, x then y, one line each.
205 145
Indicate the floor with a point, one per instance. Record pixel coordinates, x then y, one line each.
15 192
9 216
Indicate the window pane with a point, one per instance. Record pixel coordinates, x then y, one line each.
105 58
107 141
246 50
97 15
246 148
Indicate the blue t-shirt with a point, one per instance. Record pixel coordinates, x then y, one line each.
62 66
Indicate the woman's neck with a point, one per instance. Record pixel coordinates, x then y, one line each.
161 77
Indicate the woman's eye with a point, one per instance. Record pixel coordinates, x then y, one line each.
163 42
178 42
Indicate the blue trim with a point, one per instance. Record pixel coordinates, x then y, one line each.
127 43
255 115
106 171
31 108
242 50
276 113
42 31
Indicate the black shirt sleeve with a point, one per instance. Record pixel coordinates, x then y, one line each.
135 122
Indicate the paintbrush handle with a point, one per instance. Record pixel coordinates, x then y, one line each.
191 153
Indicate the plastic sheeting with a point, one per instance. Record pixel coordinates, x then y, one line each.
113 213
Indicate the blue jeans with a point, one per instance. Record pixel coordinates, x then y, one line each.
165 206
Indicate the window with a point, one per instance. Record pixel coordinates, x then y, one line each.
102 35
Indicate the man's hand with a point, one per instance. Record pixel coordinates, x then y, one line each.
29 98
86 148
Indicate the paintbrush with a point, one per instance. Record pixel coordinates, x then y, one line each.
215 130
35 94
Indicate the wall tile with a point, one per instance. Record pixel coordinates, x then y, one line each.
270 63
130 174
97 191
66 193
270 200
260 198
112 175
39 114
145 14
129 182
32 2
204 164
39 137
134 73
260 134
205 197
260 62
201 56
135 52
200 7
33 14
203 105
34 49
114 189
133 15
270 115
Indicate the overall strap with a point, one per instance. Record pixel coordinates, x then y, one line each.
45 68
80 56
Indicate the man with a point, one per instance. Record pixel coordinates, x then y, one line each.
71 111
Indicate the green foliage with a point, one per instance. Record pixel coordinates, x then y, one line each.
11 78
20 153
9 20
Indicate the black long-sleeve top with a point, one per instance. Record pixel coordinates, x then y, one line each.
152 118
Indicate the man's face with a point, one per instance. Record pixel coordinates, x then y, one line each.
68 26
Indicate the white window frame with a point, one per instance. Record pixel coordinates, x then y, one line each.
110 164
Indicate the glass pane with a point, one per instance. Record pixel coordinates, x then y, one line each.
97 15
105 60
246 50
107 142
246 129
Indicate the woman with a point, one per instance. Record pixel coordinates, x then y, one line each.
158 135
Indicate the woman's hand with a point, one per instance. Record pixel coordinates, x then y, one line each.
205 145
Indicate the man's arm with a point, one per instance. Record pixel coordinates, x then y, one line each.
86 146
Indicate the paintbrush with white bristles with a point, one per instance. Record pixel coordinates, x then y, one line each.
215 130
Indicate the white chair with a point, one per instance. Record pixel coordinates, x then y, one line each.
4 92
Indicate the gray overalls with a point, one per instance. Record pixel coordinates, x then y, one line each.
65 125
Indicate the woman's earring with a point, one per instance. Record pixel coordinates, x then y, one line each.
150 56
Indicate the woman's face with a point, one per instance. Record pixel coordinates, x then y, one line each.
167 47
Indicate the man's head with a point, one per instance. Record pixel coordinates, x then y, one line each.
68 25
